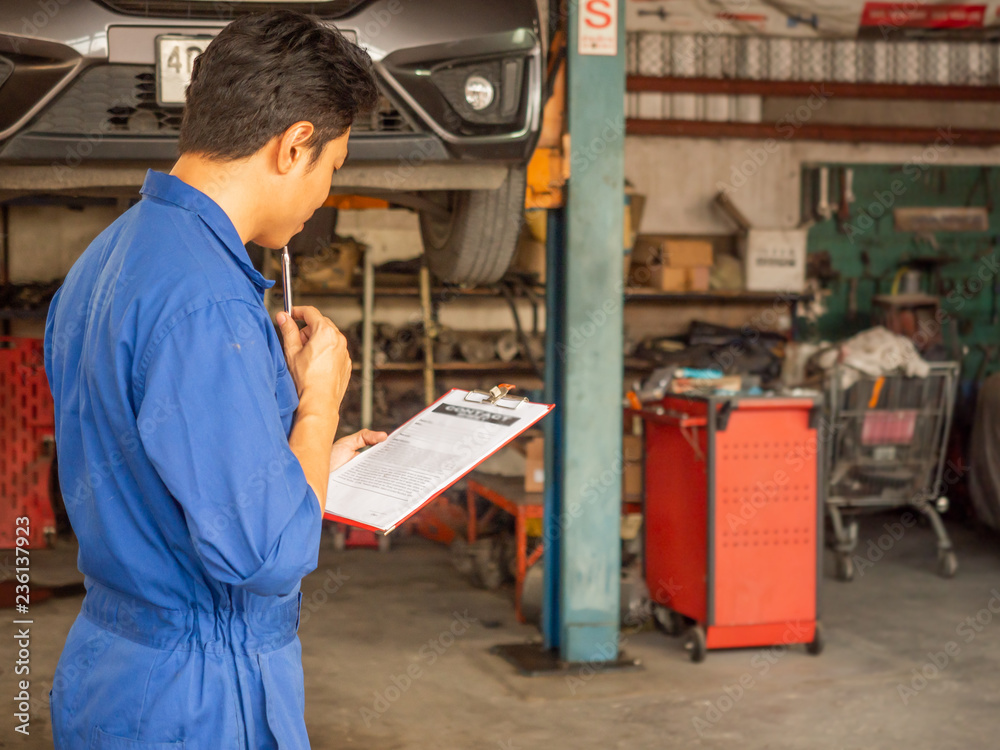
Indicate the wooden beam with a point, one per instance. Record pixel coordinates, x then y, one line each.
840 89
812 132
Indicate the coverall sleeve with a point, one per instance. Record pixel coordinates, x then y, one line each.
210 423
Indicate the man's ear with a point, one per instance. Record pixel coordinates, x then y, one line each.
293 148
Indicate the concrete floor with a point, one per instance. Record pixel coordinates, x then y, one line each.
369 618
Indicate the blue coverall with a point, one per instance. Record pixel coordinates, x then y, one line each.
173 405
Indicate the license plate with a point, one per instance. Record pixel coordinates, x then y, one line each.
175 56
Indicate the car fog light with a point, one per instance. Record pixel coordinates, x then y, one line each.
479 92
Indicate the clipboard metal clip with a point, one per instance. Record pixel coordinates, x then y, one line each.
496 396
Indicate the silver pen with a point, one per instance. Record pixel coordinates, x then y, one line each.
286 279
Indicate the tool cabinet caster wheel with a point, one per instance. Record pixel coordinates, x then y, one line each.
695 644
384 543
668 621
815 647
947 564
845 568
339 539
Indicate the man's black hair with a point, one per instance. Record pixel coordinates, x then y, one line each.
263 73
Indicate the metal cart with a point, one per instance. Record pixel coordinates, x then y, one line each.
886 444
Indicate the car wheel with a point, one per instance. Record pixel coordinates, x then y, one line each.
473 240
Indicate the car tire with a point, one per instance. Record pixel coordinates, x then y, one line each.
474 240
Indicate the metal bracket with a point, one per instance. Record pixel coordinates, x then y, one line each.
496 395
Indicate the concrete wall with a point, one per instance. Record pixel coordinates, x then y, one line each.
46 240
680 176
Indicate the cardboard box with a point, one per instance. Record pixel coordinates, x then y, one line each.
534 467
669 279
632 451
697 278
687 253
774 260
529 257
671 265
651 249
333 267
632 448
630 526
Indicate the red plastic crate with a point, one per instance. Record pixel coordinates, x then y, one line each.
26 432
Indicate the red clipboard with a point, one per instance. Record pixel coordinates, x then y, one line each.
504 390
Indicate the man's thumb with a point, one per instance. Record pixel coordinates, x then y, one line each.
372 437
362 438
289 332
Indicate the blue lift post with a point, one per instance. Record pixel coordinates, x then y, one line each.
584 371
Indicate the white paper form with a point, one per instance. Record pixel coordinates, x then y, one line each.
387 483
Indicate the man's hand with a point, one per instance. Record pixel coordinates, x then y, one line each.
317 359
347 447
321 368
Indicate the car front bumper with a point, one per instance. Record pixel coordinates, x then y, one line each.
82 82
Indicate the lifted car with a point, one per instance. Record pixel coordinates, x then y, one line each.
92 93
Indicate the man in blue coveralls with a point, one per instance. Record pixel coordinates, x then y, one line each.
193 451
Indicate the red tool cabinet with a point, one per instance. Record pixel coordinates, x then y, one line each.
733 519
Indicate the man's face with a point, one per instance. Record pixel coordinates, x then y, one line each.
303 189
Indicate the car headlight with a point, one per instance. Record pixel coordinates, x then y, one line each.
479 92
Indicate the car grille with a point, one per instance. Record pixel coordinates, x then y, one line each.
224 10
385 119
110 100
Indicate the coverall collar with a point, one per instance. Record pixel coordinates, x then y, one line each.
166 187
